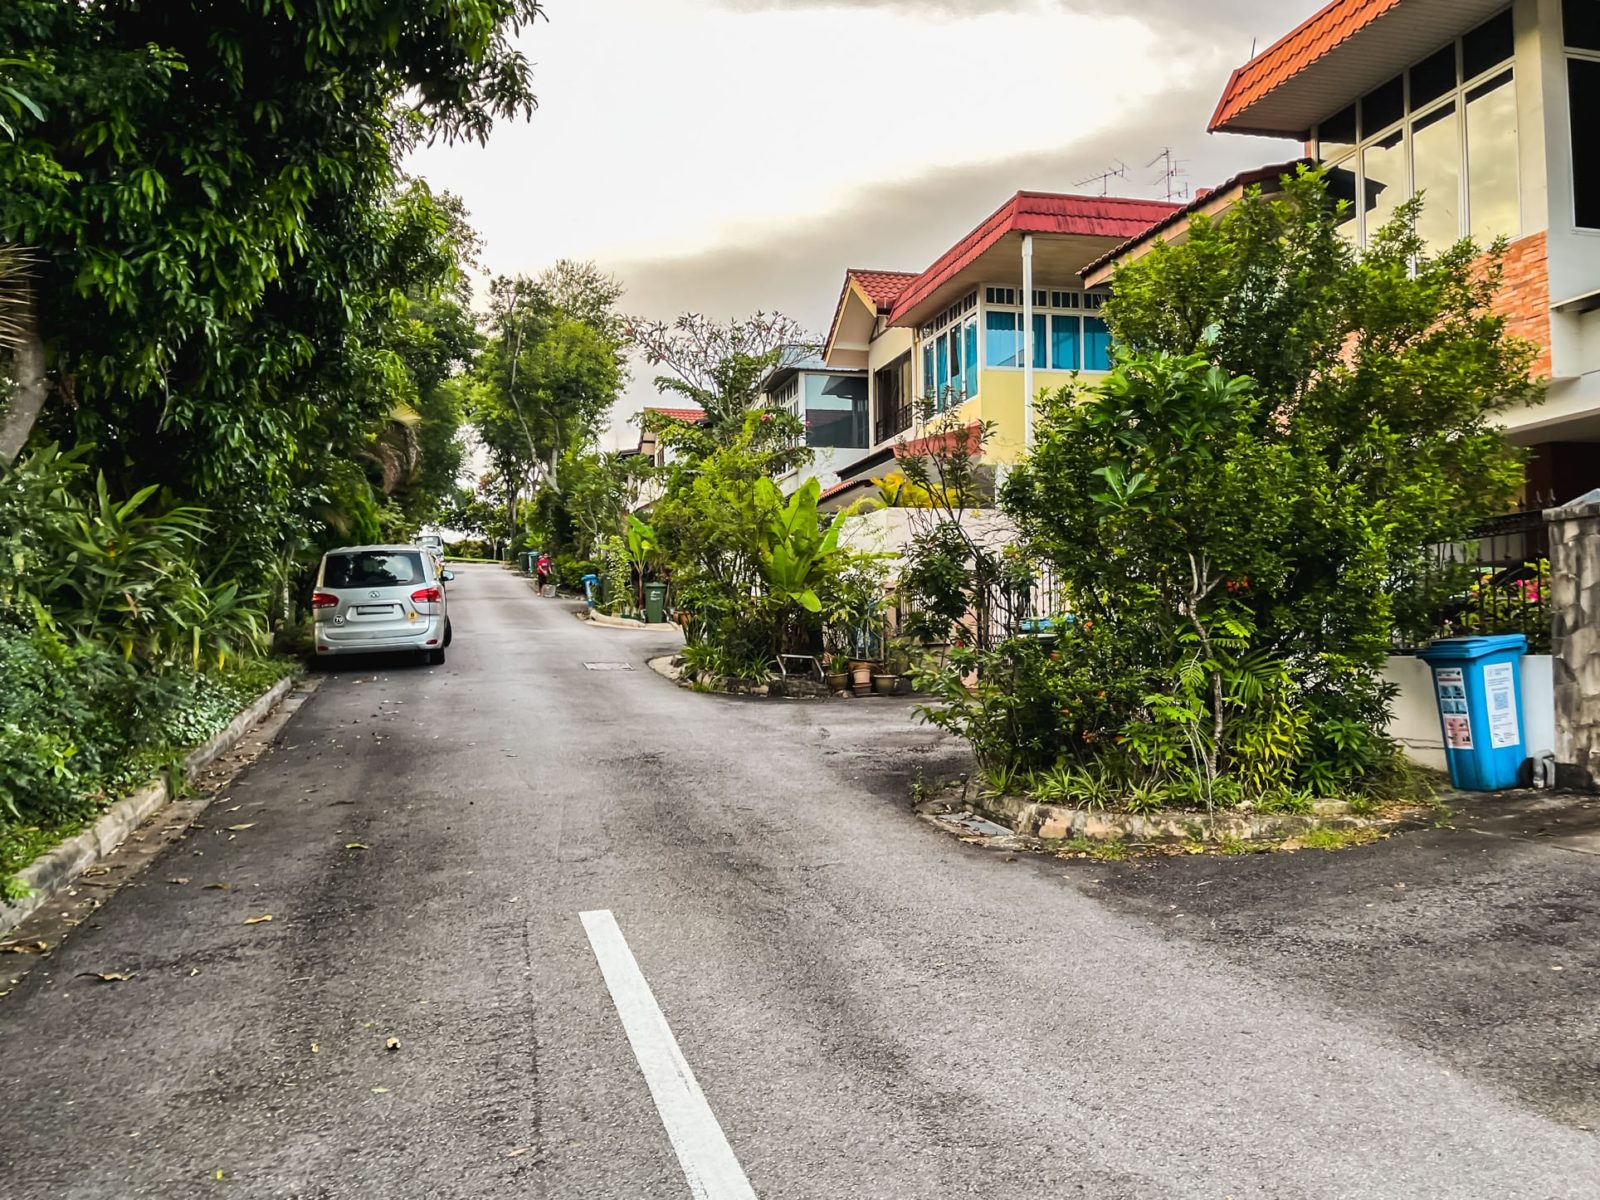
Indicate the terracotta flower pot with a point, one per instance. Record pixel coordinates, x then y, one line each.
885 685
861 678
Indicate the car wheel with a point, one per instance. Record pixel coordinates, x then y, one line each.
436 657
448 632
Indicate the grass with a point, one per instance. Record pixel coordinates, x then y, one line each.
1113 851
1337 839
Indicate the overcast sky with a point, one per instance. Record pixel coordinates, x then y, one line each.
727 155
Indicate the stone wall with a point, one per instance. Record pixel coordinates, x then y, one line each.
1575 606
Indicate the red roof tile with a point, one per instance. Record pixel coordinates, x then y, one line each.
1294 52
882 286
691 415
1035 212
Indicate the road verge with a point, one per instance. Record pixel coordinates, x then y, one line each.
56 868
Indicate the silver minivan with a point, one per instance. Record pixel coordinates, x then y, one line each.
375 599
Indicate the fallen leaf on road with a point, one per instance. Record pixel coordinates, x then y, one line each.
394 1043
258 920
108 976
179 879
356 846
24 947
315 1048
193 971
516 1150
379 1091
218 1175
241 828
217 887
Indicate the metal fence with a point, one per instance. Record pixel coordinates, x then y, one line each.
1495 582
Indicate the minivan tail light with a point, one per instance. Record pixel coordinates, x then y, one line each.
427 595
324 600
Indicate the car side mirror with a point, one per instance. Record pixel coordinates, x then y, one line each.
447 576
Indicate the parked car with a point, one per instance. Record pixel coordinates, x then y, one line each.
434 545
372 599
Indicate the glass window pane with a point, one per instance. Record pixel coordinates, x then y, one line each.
928 384
1433 77
956 373
1383 171
1000 338
1582 19
1382 107
1337 135
1583 84
1096 345
1041 342
1493 200
1436 171
1065 334
970 333
836 411
1342 187
941 352
1488 45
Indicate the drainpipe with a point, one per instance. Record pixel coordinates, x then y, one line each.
1027 340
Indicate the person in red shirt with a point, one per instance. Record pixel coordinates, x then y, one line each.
542 569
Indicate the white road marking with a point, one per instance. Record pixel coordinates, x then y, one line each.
708 1162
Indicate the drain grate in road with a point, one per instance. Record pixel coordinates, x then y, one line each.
608 666
979 825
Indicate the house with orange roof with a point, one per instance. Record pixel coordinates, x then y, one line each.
999 316
1481 105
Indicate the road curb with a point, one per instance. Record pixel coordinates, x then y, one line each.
605 619
55 869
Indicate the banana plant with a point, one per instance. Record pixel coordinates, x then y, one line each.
797 553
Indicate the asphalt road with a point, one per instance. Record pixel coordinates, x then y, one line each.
870 1008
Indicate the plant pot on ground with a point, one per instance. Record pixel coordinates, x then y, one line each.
861 677
885 685
838 682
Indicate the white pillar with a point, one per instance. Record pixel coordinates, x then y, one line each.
1027 340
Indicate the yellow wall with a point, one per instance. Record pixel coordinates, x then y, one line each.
999 399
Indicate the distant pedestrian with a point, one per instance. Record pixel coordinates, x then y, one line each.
542 569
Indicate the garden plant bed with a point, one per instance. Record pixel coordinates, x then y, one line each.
1062 829
792 687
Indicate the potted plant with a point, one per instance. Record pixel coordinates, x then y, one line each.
838 676
885 683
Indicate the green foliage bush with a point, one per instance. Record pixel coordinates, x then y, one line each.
1230 513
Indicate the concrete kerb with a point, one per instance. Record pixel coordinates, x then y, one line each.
1052 822
55 869
609 622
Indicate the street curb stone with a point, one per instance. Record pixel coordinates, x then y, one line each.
1053 822
55 869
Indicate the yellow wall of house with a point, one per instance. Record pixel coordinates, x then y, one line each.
999 400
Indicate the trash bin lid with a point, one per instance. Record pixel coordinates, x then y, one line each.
1465 649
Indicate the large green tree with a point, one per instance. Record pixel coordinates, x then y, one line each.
222 232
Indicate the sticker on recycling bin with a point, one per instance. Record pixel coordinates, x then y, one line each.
1499 693
1451 684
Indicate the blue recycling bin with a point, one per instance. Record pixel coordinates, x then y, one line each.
1478 684
591 589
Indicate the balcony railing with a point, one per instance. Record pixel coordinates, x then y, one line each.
891 422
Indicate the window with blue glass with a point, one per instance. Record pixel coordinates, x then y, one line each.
1096 345
1041 342
941 377
970 335
1001 336
1066 334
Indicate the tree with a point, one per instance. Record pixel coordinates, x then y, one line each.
721 367
220 223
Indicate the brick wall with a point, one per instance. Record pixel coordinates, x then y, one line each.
1525 299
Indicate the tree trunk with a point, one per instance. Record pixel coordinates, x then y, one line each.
28 390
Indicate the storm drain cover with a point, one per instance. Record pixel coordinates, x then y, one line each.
609 666
980 826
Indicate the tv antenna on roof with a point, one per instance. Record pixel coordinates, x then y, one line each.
1172 172
1120 171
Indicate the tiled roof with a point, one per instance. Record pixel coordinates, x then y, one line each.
1294 52
691 415
882 286
1035 212
1245 179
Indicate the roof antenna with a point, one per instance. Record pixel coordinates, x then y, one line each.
1120 171
1171 173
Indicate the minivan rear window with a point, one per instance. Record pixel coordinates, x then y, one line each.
379 568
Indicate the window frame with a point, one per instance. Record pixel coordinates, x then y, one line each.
1354 155
1569 54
